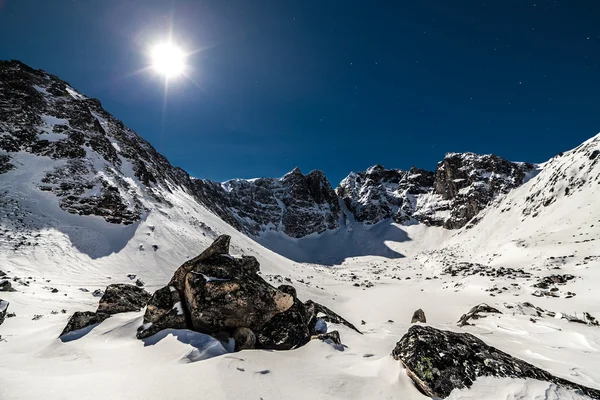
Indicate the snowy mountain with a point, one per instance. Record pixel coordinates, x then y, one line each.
85 202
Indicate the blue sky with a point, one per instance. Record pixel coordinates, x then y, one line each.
330 85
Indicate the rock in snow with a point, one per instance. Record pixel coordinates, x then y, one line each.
418 316
476 313
440 361
83 319
120 298
3 310
117 298
218 294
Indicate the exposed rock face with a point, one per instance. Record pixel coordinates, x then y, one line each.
462 185
83 319
120 298
296 204
418 316
477 312
3 310
95 154
470 181
378 193
218 294
440 361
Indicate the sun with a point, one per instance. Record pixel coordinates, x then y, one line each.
168 60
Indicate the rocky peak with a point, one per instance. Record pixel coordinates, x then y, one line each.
295 204
462 185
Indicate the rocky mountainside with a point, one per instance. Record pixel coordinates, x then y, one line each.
296 204
95 165
462 185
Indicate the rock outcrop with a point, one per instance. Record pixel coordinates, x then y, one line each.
418 316
121 297
296 204
462 185
83 319
440 361
117 298
224 296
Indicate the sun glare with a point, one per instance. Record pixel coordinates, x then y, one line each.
168 60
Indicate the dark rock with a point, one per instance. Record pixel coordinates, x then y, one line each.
316 310
476 313
164 310
6 286
332 337
418 316
287 330
221 292
83 319
139 282
440 361
54 290
224 296
3 310
120 298
244 339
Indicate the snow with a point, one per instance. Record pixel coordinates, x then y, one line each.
75 94
109 362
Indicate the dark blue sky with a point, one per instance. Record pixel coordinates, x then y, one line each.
331 85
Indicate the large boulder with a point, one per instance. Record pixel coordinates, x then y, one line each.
83 319
224 296
121 297
222 293
3 309
441 361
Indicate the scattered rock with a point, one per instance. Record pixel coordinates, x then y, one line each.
54 290
131 276
98 293
440 361
83 319
418 316
139 282
119 297
476 313
37 317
